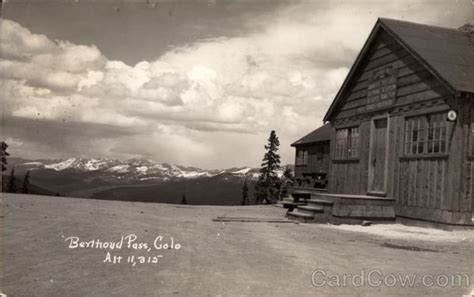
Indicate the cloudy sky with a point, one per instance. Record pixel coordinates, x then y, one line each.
197 83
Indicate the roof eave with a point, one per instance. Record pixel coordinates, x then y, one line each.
420 59
308 143
380 24
352 69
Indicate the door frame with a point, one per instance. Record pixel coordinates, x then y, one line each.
370 191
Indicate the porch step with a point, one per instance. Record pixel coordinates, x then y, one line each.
296 199
301 195
294 204
330 196
300 216
315 201
310 209
339 208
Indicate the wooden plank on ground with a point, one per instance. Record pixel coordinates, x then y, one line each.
251 220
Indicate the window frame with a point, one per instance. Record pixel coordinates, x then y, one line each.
347 143
303 159
432 135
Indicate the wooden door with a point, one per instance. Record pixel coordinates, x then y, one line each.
378 156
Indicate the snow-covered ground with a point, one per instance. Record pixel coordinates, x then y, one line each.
400 231
215 258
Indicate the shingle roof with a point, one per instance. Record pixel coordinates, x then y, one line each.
448 51
323 133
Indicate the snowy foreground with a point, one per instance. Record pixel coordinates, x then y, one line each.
77 247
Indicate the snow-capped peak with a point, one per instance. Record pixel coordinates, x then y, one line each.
61 165
135 169
242 171
122 168
94 164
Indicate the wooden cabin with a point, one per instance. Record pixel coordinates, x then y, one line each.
312 159
402 124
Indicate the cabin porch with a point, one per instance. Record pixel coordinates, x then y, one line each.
312 205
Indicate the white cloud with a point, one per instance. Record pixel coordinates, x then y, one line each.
206 98
21 43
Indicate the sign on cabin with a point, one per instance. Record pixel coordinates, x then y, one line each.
382 89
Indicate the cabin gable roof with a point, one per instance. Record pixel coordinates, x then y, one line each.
321 134
448 54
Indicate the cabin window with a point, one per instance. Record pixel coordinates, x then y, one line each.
347 143
302 157
426 134
353 145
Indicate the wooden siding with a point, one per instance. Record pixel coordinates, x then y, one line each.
318 159
422 183
470 183
468 195
415 83
350 176
438 188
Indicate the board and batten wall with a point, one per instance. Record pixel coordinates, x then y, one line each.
318 158
436 188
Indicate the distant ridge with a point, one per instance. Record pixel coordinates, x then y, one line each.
136 180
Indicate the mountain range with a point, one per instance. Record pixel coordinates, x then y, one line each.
132 170
136 180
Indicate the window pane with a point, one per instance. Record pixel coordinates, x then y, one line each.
426 134
436 147
353 144
414 135
347 142
420 148
341 142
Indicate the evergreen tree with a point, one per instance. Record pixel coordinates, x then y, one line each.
4 155
26 183
12 182
245 194
288 174
267 185
286 179
183 200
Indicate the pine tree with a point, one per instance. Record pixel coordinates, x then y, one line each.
288 174
4 155
26 183
183 200
267 185
12 182
245 194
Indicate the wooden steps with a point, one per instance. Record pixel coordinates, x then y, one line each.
294 200
251 220
310 209
303 217
292 205
320 202
323 207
